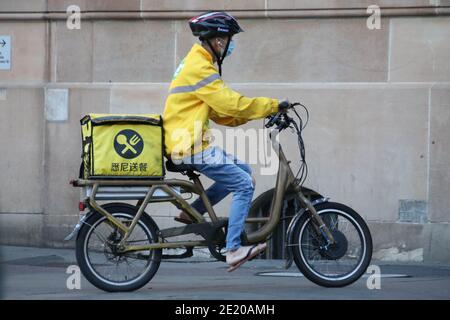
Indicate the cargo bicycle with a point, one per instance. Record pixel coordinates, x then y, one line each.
119 247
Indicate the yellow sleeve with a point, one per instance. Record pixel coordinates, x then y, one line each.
226 102
226 121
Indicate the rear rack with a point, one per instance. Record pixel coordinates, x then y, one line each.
125 189
127 193
145 191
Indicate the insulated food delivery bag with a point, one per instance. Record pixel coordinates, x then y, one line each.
122 146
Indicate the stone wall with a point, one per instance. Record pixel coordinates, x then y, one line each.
379 102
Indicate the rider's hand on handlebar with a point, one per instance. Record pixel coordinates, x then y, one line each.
283 106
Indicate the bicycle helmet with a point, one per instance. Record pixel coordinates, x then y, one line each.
215 24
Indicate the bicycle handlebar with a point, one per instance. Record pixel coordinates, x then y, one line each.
281 119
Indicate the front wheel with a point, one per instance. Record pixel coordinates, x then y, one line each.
103 264
332 265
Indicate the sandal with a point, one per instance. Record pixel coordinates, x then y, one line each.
182 219
253 252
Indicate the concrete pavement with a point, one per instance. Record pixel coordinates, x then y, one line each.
37 273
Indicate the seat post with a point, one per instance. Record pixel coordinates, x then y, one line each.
195 178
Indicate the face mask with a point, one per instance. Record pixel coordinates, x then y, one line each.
230 48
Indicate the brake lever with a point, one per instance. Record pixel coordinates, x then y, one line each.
285 122
281 126
273 120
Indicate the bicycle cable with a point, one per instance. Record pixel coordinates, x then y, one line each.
302 172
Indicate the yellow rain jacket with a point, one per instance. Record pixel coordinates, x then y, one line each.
197 94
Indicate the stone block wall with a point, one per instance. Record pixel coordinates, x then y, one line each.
379 102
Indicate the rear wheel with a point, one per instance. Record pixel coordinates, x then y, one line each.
334 265
100 260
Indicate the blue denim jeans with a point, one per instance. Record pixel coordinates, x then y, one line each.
230 175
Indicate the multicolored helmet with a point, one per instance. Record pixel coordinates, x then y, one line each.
212 24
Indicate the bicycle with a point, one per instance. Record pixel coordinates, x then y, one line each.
119 246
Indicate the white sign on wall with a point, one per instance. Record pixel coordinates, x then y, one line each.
5 52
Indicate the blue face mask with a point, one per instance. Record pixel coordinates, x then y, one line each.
230 48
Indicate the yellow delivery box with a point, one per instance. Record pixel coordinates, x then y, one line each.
122 146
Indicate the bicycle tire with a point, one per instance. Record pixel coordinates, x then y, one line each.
299 258
83 260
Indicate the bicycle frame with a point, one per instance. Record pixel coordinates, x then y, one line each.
285 179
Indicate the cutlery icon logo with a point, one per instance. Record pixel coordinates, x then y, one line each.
128 144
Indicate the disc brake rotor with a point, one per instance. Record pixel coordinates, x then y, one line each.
336 250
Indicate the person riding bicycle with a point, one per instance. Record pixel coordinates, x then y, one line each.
198 94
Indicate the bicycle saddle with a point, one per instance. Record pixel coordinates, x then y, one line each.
170 166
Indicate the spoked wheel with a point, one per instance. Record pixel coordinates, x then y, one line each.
102 263
334 265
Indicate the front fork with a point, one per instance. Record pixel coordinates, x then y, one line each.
318 223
